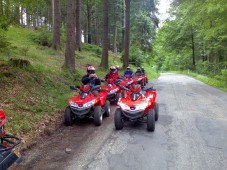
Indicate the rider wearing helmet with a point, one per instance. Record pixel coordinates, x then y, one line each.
113 74
91 77
138 72
128 72
117 67
143 71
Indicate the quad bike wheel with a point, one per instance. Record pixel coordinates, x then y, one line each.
107 108
156 110
118 121
68 116
151 120
118 96
97 116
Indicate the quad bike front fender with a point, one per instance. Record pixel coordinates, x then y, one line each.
102 98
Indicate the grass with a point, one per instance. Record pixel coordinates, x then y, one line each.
38 92
212 81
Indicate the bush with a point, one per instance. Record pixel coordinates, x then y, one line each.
136 56
92 48
42 37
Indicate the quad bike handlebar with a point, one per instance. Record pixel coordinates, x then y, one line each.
149 89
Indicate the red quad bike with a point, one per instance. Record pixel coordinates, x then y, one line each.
87 104
127 81
140 80
135 106
8 152
114 92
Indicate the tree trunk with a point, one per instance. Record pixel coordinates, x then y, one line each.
17 13
21 16
193 49
115 32
105 44
1 8
78 27
123 26
127 34
56 45
28 17
7 9
88 23
85 34
70 41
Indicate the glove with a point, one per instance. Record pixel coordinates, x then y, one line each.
93 76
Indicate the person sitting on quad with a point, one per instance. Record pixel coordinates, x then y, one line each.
113 74
128 72
91 78
117 68
138 72
143 71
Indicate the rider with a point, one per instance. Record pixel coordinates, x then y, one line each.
144 74
128 72
138 72
143 71
91 78
113 74
117 67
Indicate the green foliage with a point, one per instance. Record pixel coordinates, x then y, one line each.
197 28
4 44
4 23
92 48
136 56
42 37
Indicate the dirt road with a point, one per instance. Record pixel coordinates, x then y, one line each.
191 133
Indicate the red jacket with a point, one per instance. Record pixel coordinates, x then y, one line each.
112 75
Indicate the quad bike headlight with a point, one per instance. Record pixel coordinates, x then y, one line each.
124 106
73 104
142 106
89 104
113 91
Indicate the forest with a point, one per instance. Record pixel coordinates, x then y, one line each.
194 38
54 42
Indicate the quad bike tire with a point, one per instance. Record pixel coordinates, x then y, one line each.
98 116
151 120
68 116
118 121
107 108
156 110
118 96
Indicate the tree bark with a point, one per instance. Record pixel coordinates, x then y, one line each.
123 26
193 48
56 45
16 13
70 41
88 23
104 62
78 26
115 32
1 8
127 34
